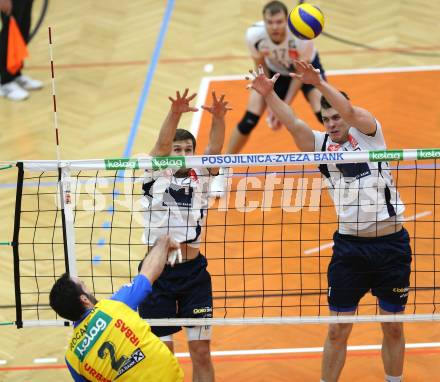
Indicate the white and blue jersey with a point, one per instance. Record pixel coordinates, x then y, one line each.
175 205
364 194
280 57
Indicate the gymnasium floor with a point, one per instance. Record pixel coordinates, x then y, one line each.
101 65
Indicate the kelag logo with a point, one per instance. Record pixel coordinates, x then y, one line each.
385 155
121 163
95 328
428 153
160 163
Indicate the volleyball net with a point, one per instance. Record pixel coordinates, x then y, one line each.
268 242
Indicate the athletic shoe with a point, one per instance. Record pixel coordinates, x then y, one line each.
13 92
28 83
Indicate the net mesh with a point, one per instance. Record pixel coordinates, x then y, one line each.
268 243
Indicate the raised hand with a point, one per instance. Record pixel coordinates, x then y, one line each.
174 252
260 82
181 103
219 107
165 250
306 73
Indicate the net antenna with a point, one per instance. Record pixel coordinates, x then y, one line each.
64 181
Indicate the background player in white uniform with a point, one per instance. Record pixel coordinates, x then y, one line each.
175 203
272 45
371 247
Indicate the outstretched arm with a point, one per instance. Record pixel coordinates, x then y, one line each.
300 131
154 263
355 116
292 91
151 267
218 109
179 106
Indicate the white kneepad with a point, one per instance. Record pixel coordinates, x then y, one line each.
197 333
168 338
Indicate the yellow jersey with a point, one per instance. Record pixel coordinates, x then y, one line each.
111 342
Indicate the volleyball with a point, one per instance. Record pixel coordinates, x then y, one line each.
306 21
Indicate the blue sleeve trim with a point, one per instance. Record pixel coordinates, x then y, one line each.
76 377
133 294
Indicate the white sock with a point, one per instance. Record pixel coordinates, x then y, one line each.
389 378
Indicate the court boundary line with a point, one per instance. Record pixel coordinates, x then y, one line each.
205 82
207 59
319 349
246 352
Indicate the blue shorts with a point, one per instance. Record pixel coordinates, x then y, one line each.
382 265
182 291
282 85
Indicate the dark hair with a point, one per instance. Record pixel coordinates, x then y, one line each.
275 7
64 298
326 105
183 135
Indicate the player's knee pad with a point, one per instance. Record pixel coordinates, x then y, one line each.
249 121
318 116
196 333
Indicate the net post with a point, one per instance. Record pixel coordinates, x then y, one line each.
67 219
15 249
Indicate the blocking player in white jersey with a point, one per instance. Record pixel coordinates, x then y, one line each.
371 247
175 203
272 45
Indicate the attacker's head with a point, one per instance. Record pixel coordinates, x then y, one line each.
70 298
